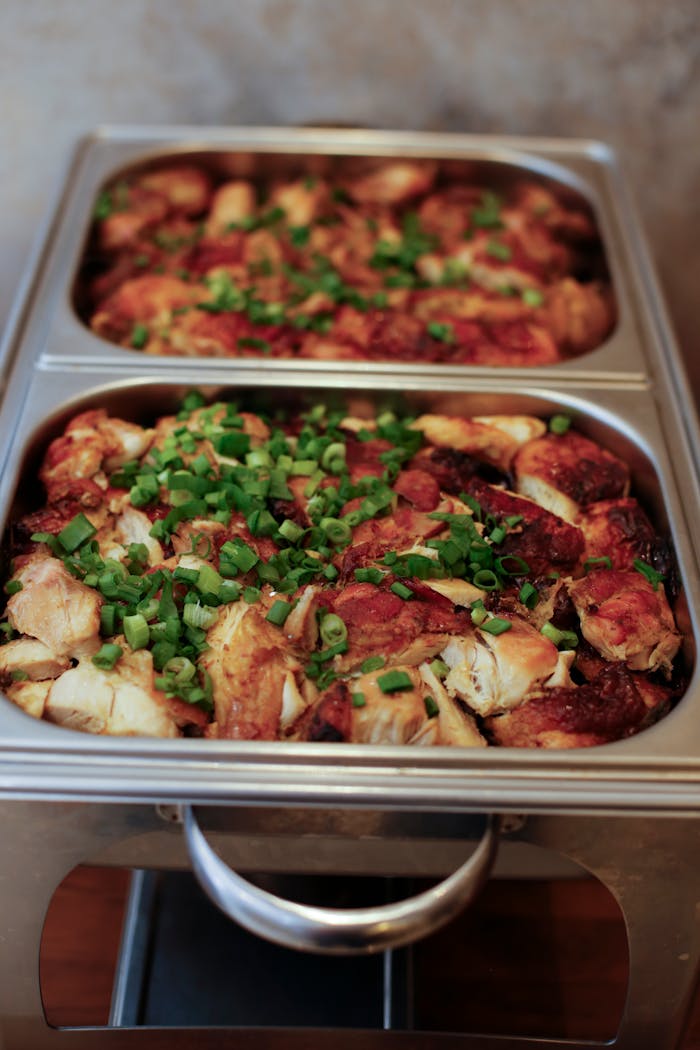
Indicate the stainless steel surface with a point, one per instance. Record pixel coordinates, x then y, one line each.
587 167
335 931
658 769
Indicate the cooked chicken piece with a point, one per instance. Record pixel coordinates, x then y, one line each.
401 530
544 541
33 657
130 526
107 702
418 487
393 183
248 662
231 204
54 607
579 316
295 701
30 696
201 533
615 705
455 727
626 620
150 298
618 529
541 205
185 187
495 439
137 209
300 201
378 621
91 442
329 719
567 472
388 718
497 672
301 626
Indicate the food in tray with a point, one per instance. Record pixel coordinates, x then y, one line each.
321 576
396 264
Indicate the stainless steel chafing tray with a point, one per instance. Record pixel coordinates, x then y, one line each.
70 796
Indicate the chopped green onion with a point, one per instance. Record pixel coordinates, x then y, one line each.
443 333
19 676
76 533
180 669
498 534
108 620
107 656
486 580
139 336
358 699
196 615
498 250
372 663
401 590
278 613
338 532
478 614
439 668
649 573
332 629
394 681
603 562
186 575
136 631
431 707
13 587
209 580
251 595
291 531
562 639
496 625
559 424
369 575
532 297
529 596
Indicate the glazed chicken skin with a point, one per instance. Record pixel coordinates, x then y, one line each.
337 576
394 263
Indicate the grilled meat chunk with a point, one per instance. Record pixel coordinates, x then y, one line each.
567 472
614 705
626 620
54 607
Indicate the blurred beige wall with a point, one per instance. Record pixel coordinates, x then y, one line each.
625 71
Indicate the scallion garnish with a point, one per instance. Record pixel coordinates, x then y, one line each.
394 681
107 656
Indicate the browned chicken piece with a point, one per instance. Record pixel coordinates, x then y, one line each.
615 705
121 702
378 621
92 441
129 526
149 299
455 727
543 540
54 607
496 672
470 304
29 696
360 712
33 658
579 316
388 718
393 183
618 529
567 472
495 439
133 211
301 201
249 664
541 205
231 204
186 188
626 620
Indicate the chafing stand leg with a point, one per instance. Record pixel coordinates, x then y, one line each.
651 865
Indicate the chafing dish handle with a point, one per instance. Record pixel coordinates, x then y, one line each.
337 931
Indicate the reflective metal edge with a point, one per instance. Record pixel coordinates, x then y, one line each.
56 334
658 769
